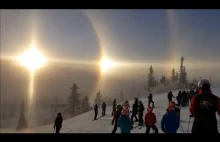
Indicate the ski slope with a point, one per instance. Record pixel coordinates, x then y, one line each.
84 123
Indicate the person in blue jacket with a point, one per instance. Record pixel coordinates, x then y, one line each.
124 122
170 122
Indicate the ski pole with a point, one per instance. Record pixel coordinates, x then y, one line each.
182 128
188 125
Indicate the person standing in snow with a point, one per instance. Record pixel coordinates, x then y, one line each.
96 111
114 107
103 109
184 98
134 111
179 98
170 96
150 120
177 110
116 117
203 108
170 123
124 122
58 123
141 113
150 100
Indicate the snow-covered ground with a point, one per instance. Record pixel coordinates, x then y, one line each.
83 123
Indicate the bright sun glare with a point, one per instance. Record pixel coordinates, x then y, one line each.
106 64
32 59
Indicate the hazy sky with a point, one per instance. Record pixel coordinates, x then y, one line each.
154 36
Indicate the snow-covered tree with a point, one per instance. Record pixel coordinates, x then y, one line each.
150 81
163 80
86 104
177 77
183 74
98 99
22 123
73 99
173 76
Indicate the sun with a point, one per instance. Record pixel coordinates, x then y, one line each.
106 64
32 59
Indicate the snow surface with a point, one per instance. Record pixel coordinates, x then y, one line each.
84 123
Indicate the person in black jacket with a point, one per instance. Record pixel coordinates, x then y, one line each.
150 100
134 111
114 107
103 109
96 111
58 123
170 96
141 113
179 98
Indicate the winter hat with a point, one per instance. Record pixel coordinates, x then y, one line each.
149 109
171 106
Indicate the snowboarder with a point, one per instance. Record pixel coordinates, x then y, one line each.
124 122
58 123
141 113
96 111
170 123
103 109
134 111
170 96
203 108
114 107
116 117
150 100
150 120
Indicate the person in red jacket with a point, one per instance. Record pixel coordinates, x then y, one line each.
203 108
150 120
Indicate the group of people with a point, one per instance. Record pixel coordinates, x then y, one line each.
203 108
183 98
169 124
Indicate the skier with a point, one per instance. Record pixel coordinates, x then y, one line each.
124 122
103 109
140 113
203 108
150 120
150 100
179 98
116 117
96 111
170 96
187 97
58 123
134 111
184 98
114 107
170 123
